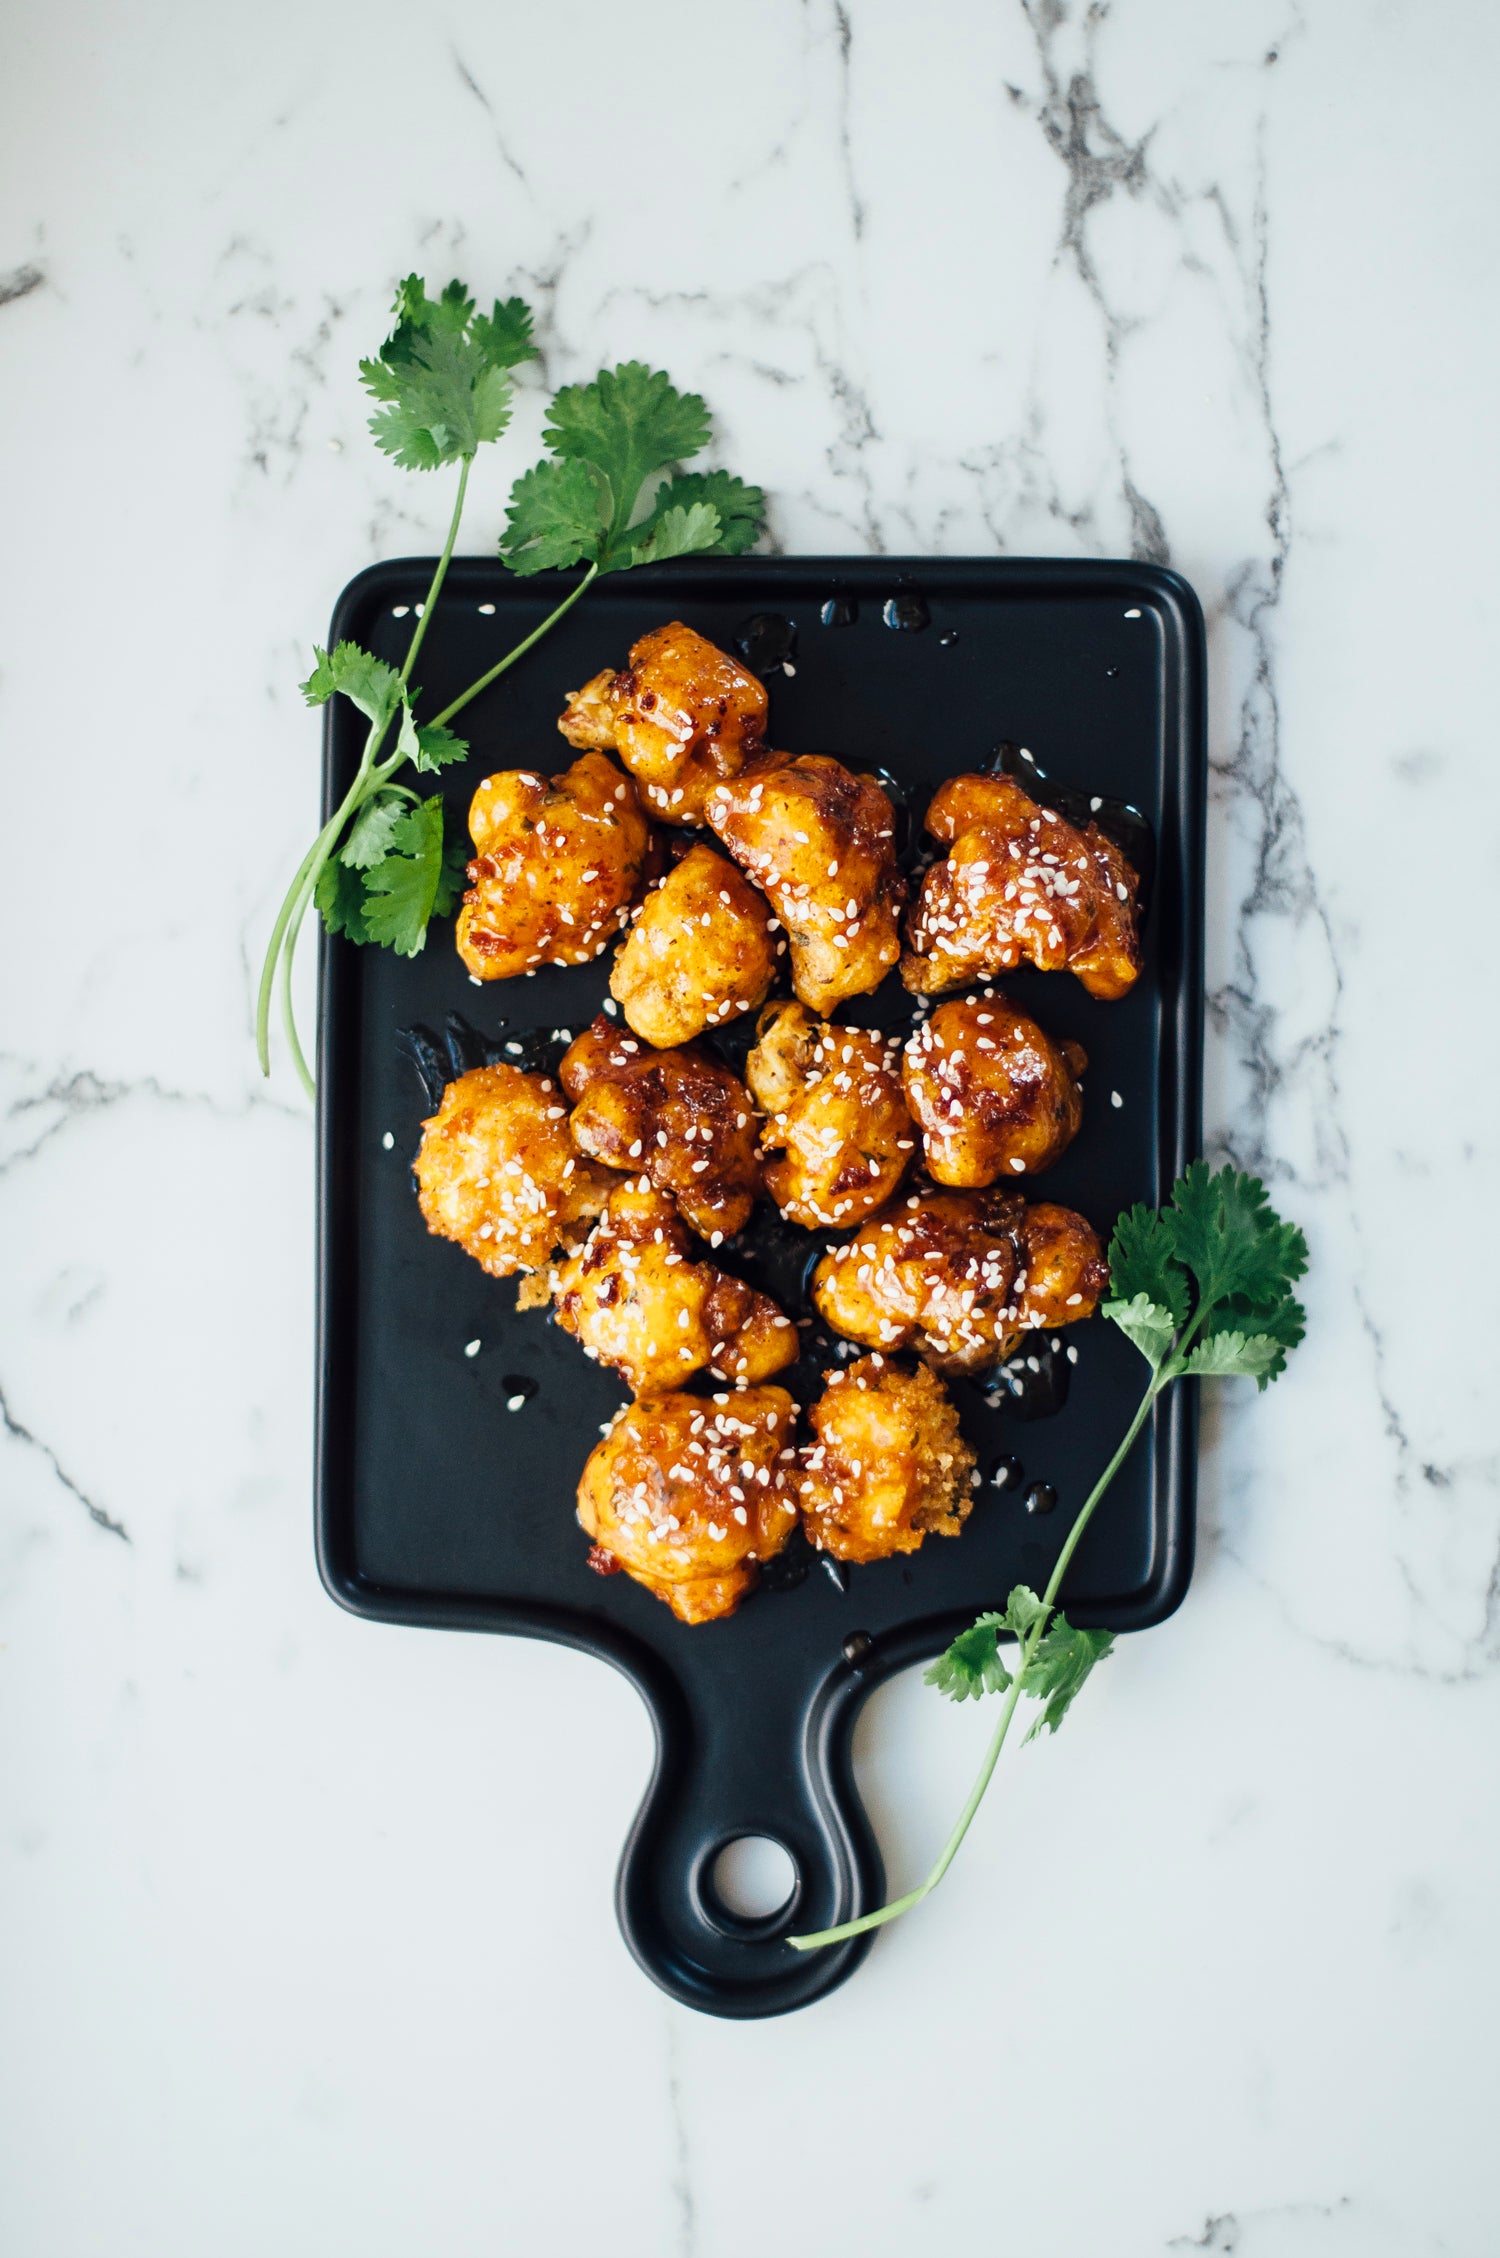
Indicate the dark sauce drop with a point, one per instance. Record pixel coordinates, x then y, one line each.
422 1048
792 1566
537 1050
778 1258
908 829
1007 1473
947 639
1033 1383
766 642
908 612
519 1384
839 611
857 1649
1040 1498
1111 674
1117 819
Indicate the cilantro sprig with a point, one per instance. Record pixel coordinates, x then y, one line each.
1203 1288
608 495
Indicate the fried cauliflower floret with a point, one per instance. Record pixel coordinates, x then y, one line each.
888 1466
992 1095
1065 1273
1020 882
498 1172
557 866
679 1117
682 715
688 1495
960 1276
634 1298
700 952
820 842
838 1136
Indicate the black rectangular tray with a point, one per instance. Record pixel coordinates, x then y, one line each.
438 1505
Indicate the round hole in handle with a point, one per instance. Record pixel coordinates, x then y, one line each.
748 1886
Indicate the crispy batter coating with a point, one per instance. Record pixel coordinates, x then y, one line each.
680 1117
688 1495
635 1299
1019 881
888 1467
498 1171
682 715
992 1095
700 952
820 842
837 1136
556 868
960 1276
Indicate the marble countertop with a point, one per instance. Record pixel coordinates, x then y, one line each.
308 1941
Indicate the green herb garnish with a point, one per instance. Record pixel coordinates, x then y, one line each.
607 496
1203 1289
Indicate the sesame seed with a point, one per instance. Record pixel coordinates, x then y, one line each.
471 1348
1115 1098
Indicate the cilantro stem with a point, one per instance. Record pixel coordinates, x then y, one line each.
309 868
519 652
1029 1646
276 972
441 573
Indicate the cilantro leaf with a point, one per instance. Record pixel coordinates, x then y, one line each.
429 747
1229 1356
365 680
1023 1611
559 514
1143 1321
971 1667
1142 1264
437 748
443 375
340 898
504 336
1224 1229
1062 1661
401 890
741 509
629 422
677 533
372 830
610 443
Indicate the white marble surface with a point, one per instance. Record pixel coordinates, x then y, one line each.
307 1935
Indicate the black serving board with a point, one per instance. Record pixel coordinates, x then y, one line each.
438 1505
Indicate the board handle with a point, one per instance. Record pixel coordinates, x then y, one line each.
760 1763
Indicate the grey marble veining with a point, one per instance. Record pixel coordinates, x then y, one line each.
308 1925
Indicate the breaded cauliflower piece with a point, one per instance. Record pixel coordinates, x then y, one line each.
992 1095
1020 882
689 1494
557 867
499 1173
682 715
838 1136
960 1276
700 952
679 1117
634 1298
888 1465
820 842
